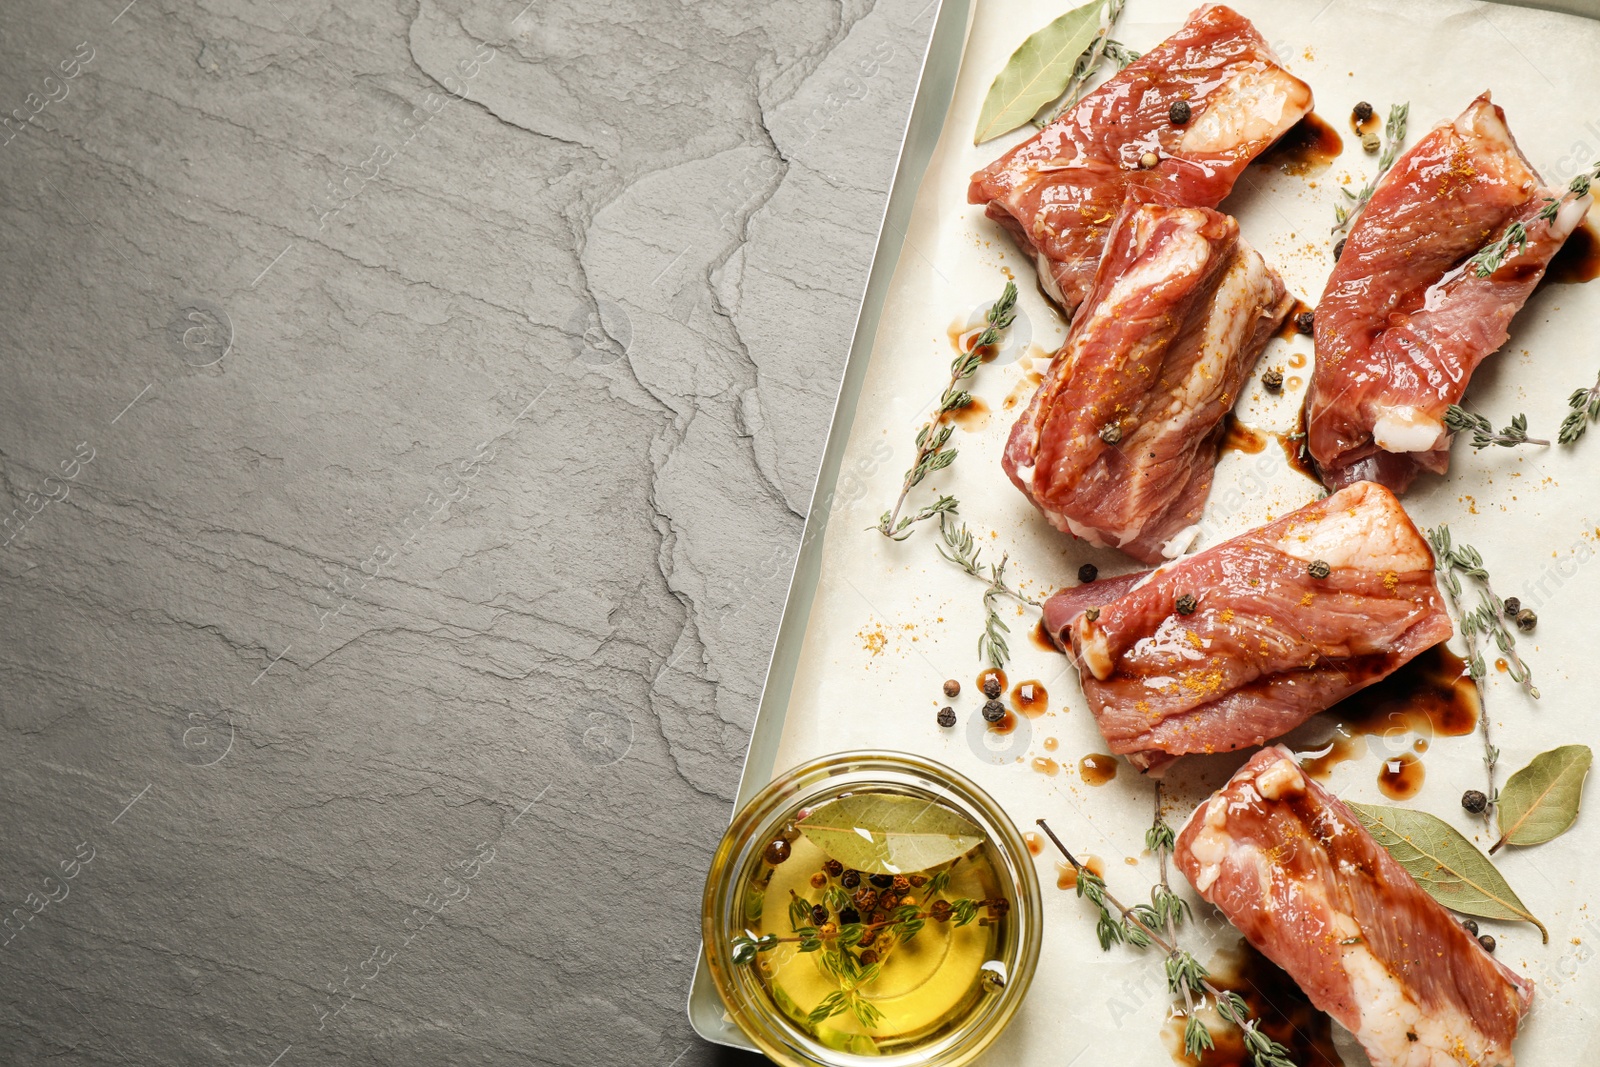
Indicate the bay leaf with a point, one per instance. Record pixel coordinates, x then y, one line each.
1445 864
881 833
1541 800
1037 71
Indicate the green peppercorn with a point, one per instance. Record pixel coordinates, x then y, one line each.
1272 381
819 915
833 868
952 688
947 716
776 852
1111 433
1527 620
850 879
1091 614
993 711
882 881
991 687
1179 112
1187 604
1319 569
1474 801
1487 942
1305 322
1369 143
1470 927
1088 573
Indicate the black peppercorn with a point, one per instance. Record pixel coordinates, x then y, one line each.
776 852
849 915
850 879
819 915
952 688
1187 604
1319 569
902 884
1305 322
991 687
1362 112
1474 801
882 881
1487 942
869 957
1511 605
1111 433
940 910
947 717
1179 112
833 868
993 711
1338 250
1470 927
998 905
918 880
1272 381
1526 620
1088 573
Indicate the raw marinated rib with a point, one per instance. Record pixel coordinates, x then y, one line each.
1057 192
1405 319
1267 645
1301 878
1120 440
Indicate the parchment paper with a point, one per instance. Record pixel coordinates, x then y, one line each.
892 621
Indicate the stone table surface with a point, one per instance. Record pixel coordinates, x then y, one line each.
409 412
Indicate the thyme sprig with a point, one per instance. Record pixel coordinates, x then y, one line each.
1458 419
1394 134
1585 405
932 455
1186 975
1444 563
959 549
1102 48
1515 239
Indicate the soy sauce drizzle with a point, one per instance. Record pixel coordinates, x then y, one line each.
1578 260
1309 147
1430 696
1284 1012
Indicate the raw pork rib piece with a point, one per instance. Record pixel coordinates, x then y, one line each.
1301 878
1405 319
1267 645
1180 309
1057 191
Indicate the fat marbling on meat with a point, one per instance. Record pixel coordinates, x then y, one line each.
1058 191
1405 318
1267 644
1120 440
1308 886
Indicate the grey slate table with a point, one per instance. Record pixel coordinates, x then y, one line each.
408 411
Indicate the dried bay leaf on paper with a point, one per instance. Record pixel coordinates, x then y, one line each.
1444 863
888 834
1541 801
1038 71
